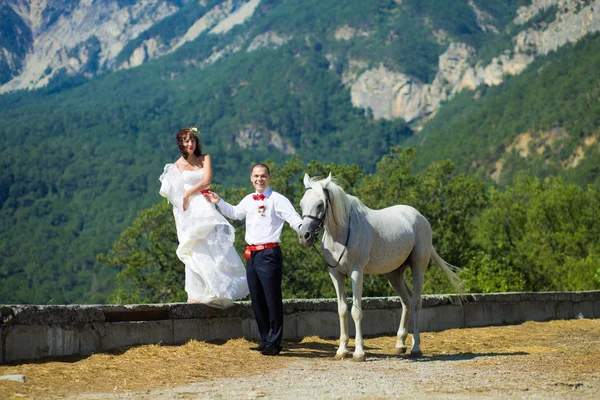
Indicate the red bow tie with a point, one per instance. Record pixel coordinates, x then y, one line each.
258 196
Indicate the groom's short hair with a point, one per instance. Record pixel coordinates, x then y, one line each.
263 166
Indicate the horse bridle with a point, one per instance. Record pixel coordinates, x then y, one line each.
322 219
320 228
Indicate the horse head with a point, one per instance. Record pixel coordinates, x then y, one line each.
314 205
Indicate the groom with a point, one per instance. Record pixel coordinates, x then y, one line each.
265 211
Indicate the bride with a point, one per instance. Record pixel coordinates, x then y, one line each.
214 273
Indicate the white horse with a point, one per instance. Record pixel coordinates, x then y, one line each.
358 241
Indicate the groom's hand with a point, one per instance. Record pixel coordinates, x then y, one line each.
212 197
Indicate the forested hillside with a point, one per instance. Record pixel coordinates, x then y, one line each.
545 121
81 157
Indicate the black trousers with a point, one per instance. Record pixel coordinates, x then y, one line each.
264 270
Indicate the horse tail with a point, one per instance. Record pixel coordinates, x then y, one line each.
450 271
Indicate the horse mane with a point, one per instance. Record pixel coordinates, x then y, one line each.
341 202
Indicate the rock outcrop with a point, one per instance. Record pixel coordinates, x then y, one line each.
62 32
86 37
269 39
395 95
256 136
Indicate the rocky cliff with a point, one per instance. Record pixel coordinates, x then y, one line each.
392 94
86 36
42 38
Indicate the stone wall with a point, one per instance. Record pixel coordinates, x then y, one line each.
35 331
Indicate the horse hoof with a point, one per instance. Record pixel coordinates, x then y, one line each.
340 356
401 350
360 358
416 354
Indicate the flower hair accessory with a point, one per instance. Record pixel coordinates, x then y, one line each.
194 130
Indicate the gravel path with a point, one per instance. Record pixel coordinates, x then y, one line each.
508 375
548 360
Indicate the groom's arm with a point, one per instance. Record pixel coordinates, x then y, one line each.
233 212
286 210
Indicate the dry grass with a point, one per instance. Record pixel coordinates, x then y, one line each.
571 347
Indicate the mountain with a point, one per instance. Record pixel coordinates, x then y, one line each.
94 93
544 122
472 42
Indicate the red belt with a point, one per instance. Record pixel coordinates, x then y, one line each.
258 247
205 191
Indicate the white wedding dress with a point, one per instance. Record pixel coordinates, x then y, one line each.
214 273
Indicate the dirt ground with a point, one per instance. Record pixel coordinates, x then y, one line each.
556 359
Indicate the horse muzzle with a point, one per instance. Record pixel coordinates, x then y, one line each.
308 235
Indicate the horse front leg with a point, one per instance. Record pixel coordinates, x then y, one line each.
357 287
340 289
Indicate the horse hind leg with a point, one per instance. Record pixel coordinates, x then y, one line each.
418 263
397 281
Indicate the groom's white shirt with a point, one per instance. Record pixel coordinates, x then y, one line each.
263 229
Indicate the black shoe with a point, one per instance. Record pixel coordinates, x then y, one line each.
260 347
271 350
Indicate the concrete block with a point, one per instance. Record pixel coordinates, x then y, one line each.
230 327
188 329
322 324
26 342
377 303
563 310
584 309
492 313
124 334
291 306
90 338
250 329
442 317
1 344
290 326
380 322
240 309
62 341
537 310
56 315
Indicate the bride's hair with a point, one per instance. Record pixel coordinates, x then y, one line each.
193 132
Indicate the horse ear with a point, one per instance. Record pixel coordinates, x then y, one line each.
306 181
327 180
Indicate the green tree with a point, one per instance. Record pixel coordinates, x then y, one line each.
541 235
150 271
